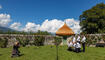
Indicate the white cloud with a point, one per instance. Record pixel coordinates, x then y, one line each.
51 25
55 24
31 27
48 25
4 20
0 7
16 26
74 25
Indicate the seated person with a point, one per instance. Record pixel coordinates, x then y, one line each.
70 45
78 47
74 46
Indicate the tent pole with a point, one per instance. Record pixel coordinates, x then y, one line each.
56 51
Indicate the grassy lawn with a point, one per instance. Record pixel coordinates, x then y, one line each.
48 53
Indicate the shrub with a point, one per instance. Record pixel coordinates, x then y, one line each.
57 40
23 41
3 42
39 41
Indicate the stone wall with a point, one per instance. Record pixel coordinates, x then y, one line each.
92 39
48 39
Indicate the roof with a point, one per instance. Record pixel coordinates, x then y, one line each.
64 30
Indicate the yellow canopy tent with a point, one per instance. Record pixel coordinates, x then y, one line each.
65 30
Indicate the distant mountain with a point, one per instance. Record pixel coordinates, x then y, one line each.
5 29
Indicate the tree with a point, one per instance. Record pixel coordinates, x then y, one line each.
93 20
42 33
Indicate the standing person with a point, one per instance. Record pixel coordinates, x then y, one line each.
74 39
83 42
78 38
15 51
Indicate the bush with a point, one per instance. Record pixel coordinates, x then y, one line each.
3 42
94 39
23 41
39 41
57 40
100 44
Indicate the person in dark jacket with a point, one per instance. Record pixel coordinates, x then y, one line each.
15 51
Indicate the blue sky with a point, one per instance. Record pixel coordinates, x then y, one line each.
37 11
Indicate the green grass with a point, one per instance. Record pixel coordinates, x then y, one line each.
48 53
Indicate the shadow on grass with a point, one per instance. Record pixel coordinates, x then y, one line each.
17 56
21 55
75 51
0 54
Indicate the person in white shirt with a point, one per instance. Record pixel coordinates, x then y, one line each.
78 47
74 46
78 38
83 39
74 39
83 42
70 45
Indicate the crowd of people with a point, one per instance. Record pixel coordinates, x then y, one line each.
76 43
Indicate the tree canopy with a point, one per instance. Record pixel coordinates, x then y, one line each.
93 20
25 33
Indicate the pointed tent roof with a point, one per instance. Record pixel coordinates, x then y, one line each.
64 30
